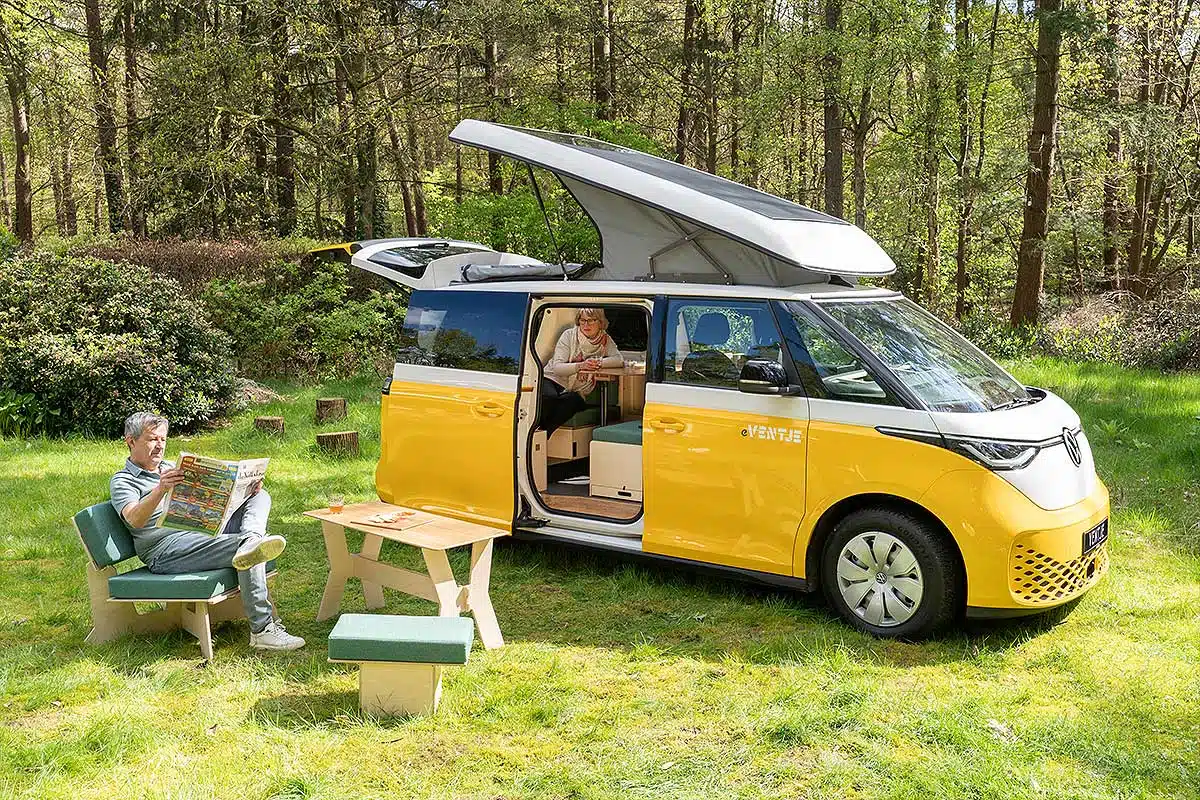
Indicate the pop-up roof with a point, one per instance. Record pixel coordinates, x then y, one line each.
659 220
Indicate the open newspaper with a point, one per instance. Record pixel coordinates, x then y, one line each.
210 492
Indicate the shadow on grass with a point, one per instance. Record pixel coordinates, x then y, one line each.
634 605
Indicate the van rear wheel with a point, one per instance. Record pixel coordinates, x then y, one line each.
889 574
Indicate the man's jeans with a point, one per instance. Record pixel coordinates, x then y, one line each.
191 552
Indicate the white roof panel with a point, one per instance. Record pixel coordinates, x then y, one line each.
659 220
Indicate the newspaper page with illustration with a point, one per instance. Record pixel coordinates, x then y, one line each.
210 492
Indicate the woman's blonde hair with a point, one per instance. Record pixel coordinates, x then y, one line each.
594 313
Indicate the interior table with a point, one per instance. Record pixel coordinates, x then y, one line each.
627 376
433 535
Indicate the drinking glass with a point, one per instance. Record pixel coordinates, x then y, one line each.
336 502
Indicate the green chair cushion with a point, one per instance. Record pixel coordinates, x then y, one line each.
142 584
387 637
104 535
621 433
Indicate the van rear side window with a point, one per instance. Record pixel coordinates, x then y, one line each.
479 331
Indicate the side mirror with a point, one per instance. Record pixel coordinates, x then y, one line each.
764 377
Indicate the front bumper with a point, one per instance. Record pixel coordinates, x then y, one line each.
1019 558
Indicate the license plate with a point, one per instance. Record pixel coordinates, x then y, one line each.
1095 537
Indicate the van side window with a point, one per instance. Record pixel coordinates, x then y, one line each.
709 341
827 369
464 330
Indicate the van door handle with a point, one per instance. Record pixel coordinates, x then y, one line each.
489 409
668 425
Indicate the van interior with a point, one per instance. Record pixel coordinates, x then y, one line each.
591 466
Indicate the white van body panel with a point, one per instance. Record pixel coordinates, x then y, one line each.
1052 480
440 272
661 220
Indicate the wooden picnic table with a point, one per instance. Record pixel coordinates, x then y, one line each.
433 535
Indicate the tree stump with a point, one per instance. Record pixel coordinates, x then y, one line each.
269 424
330 408
341 443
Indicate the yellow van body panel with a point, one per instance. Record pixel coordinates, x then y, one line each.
995 526
726 488
448 450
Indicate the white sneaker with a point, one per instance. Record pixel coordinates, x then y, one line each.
258 550
275 637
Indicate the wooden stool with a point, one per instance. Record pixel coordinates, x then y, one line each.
400 659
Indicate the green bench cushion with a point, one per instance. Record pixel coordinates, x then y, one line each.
387 637
621 433
591 416
104 535
142 584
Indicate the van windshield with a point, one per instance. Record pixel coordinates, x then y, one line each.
938 364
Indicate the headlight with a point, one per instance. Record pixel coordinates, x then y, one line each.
995 455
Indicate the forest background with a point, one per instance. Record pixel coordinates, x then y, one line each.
1032 167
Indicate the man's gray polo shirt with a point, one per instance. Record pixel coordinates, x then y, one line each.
129 485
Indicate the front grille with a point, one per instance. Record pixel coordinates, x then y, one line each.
1036 579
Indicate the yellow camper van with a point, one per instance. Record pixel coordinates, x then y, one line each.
755 410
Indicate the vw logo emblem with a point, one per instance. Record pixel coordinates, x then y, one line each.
1072 444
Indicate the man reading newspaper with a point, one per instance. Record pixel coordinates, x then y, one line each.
139 492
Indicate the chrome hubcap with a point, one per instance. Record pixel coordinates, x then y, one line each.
879 578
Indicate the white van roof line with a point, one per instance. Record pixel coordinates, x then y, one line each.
652 288
660 220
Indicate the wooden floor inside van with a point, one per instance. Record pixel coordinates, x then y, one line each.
593 506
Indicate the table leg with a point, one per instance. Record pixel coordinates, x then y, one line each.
444 584
478 597
603 403
339 569
373 592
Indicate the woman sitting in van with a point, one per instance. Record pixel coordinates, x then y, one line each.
569 377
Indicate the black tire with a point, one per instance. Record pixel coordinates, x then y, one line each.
942 590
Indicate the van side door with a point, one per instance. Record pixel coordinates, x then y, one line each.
448 417
724 469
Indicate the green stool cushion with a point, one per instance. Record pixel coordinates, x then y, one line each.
416 640
621 433
142 584
104 535
591 416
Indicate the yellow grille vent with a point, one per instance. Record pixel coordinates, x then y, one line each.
1037 579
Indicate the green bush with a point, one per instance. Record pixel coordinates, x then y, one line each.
992 334
1164 333
306 320
94 341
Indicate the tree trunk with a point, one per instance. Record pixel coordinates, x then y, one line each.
931 155
491 67
1111 217
106 118
858 179
56 135
962 97
285 162
832 75
416 160
348 188
18 95
602 93
711 119
70 209
5 211
735 97
1031 256
137 215
683 124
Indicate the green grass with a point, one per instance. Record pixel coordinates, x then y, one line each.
618 680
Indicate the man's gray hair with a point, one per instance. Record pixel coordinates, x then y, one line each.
136 424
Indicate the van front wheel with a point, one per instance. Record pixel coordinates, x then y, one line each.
888 574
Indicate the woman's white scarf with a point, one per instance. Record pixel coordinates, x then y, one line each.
583 348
